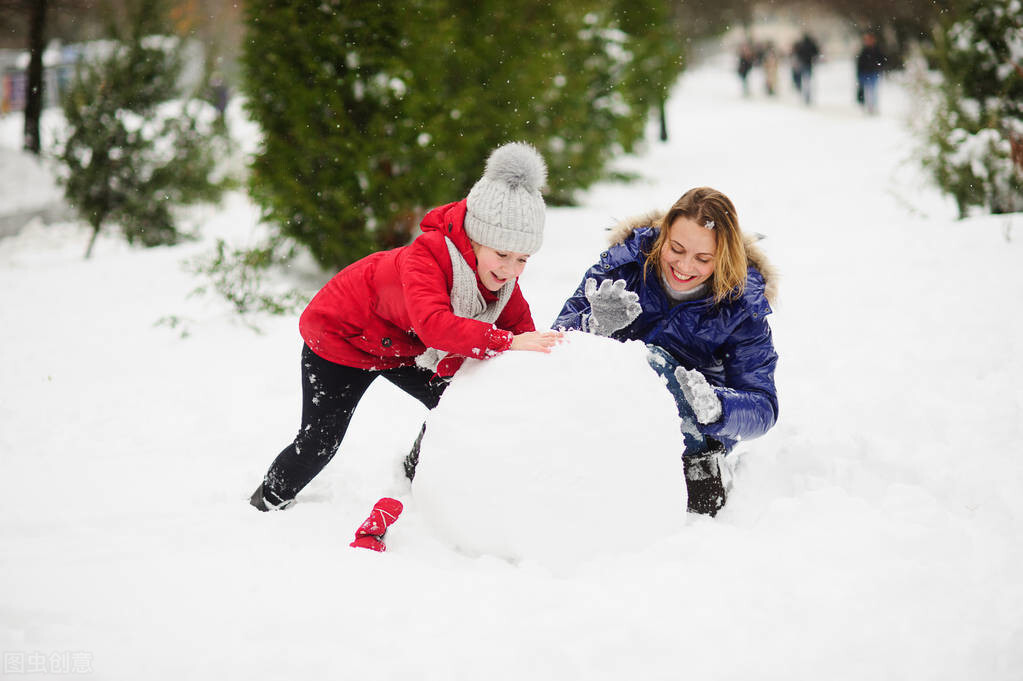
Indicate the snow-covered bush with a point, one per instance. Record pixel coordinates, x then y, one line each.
134 148
975 149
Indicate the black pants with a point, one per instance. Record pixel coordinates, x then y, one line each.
330 393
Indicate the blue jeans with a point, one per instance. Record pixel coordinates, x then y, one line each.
806 83
694 441
869 81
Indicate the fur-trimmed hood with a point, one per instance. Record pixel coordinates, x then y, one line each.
619 233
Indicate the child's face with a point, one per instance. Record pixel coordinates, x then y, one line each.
495 268
687 258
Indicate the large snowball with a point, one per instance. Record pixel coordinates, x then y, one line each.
555 458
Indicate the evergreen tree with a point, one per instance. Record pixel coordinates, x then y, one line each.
976 151
134 150
370 117
659 54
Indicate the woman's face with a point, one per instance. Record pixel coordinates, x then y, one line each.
495 268
687 258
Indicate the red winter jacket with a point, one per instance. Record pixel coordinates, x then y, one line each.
384 310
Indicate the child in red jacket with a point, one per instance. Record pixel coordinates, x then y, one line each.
413 314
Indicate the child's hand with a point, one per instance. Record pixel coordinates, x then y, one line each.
537 341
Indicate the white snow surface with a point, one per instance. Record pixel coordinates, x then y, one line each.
583 447
28 183
874 533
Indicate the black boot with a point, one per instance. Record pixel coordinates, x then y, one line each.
266 500
708 481
412 459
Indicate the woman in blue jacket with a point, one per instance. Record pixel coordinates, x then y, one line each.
697 292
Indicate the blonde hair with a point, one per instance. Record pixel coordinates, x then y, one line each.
708 207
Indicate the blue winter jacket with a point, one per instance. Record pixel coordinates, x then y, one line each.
729 343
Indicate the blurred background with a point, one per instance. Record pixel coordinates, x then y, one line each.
368 113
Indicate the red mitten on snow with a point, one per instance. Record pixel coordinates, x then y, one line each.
368 542
371 533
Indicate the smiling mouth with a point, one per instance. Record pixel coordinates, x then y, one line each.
682 278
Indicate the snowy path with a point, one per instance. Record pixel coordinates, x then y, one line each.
874 534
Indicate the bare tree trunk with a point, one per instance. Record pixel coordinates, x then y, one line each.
34 83
92 241
664 120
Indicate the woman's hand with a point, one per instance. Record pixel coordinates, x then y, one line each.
699 394
537 341
612 306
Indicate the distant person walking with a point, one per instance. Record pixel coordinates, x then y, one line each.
219 94
770 62
870 62
746 61
804 53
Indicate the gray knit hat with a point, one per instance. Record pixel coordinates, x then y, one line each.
505 209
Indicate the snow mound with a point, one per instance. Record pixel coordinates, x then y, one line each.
555 458
25 183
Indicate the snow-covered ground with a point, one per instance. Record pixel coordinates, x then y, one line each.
875 533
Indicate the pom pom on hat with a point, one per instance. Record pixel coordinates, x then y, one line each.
517 165
505 209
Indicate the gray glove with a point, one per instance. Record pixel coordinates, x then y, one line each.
700 395
611 306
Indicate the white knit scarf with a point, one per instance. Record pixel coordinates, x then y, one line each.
466 301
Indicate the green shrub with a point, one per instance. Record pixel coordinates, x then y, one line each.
135 148
370 117
239 276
